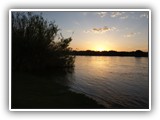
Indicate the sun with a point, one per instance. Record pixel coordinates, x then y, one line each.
100 48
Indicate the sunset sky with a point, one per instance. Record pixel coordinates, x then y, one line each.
121 31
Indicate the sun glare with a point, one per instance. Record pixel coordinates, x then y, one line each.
100 48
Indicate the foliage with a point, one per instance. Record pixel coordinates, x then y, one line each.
34 46
137 53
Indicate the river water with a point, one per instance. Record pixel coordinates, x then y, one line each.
115 82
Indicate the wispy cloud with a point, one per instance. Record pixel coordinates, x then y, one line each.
144 15
131 34
116 14
120 15
123 17
102 14
114 29
101 29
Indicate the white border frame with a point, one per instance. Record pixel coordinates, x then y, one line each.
85 10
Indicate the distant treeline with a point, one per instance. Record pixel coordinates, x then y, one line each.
137 53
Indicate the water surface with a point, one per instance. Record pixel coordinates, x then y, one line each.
115 82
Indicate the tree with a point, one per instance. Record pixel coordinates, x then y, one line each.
34 46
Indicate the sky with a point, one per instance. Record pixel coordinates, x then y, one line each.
117 30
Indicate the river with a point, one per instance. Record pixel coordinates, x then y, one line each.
115 82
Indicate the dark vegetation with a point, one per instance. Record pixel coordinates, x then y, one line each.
38 58
34 44
137 53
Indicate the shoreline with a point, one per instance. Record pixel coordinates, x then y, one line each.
137 53
31 92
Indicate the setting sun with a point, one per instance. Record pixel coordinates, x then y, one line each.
100 48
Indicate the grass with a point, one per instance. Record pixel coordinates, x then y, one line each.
37 92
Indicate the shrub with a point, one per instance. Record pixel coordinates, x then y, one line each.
34 46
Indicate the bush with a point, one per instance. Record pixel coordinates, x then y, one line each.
34 46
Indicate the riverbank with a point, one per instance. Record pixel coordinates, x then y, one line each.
137 53
33 92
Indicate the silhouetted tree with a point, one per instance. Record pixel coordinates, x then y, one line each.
138 53
34 45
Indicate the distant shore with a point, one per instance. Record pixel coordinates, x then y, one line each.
137 53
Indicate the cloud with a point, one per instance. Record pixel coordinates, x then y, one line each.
119 15
116 14
123 17
114 29
101 30
132 34
144 15
102 14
